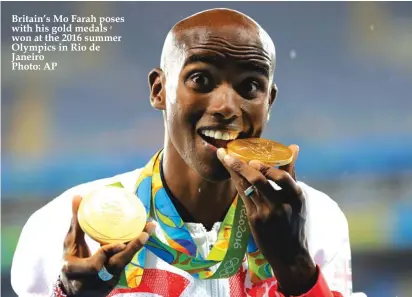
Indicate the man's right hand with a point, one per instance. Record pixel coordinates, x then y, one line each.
80 268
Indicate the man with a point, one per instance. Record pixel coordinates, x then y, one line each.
215 84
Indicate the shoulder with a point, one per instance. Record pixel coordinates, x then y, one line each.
327 226
322 208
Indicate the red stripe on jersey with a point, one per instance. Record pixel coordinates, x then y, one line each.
156 281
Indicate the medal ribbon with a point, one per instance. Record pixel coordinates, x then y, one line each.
234 237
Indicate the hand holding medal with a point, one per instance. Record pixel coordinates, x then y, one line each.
276 217
95 275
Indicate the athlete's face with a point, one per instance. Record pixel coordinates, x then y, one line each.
218 87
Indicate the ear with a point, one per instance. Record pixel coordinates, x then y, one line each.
157 90
272 96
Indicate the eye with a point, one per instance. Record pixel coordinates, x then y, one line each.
200 79
201 82
250 88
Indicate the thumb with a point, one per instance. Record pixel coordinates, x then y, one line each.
290 168
76 229
295 152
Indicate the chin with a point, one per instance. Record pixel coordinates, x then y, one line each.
213 171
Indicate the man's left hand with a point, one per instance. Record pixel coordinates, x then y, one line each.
276 218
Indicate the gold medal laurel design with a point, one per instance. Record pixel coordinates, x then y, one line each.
267 151
112 214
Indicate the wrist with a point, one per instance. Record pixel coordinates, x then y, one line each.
65 288
297 276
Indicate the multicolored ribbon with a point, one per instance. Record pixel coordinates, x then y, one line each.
234 237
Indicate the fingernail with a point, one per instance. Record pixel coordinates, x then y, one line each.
151 228
144 237
221 153
228 159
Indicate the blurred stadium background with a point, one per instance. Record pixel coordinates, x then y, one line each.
344 72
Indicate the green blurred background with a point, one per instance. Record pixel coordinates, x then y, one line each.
344 72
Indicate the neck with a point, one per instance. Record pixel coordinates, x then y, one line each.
206 201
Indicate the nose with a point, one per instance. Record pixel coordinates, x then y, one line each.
224 104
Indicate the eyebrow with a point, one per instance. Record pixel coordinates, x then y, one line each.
219 60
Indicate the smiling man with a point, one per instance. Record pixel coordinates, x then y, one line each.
223 227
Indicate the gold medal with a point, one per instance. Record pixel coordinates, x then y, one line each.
269 152
112 215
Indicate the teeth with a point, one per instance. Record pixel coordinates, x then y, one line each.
220 134
234 135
